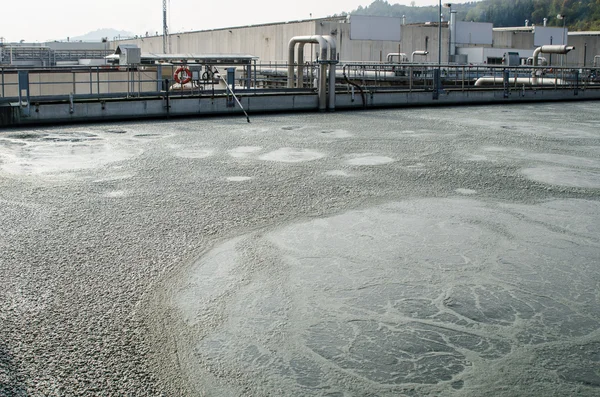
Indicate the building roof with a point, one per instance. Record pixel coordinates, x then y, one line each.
122 47
524 29
588 33
228 59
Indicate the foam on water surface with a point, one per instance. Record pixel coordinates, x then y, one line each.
292 155
423 296
51 152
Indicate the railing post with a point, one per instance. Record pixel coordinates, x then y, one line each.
436 83
23 77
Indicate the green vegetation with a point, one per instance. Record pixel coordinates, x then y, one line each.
580 14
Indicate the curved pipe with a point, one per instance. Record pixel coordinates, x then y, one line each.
519 80
548 49
420 53
400 55
303 39
362 93
323 45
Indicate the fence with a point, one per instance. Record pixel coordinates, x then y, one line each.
102 82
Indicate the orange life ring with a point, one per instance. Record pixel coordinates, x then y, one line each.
183 75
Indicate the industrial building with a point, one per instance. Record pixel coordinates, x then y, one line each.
55 53
358 38
371 39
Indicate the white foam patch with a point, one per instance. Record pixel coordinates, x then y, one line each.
115 194
423 297
476 157
243 151
62 153
292 155
560 176
338 173
369 159
238 178
195 153
337 133
466 192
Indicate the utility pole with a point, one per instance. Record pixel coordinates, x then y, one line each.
438 79
165 27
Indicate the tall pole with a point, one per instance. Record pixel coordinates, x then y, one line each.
440 37
165 27
449 33
564 19
439 72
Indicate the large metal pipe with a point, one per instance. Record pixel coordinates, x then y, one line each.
300 83
332 62
400 55
453 32
550 49
291 47
519 80
420 53
323 45
547 49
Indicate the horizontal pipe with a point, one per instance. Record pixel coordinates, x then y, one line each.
519 80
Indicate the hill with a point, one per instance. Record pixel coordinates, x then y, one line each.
97 35
580 14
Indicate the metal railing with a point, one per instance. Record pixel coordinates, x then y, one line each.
47 84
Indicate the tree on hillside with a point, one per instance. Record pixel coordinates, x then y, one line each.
580 14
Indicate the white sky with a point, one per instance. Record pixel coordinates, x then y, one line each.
42 20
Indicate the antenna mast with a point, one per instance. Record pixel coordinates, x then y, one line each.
165 27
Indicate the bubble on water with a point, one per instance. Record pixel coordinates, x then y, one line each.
466 192
562 176
238 178
243 151
337 133
115 194
292 155
195 153
369 159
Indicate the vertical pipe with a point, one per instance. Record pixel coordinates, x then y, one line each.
332 86
584 54
322 86
91 83
98 80
332 67
291 61
300 82
453 32
439 69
